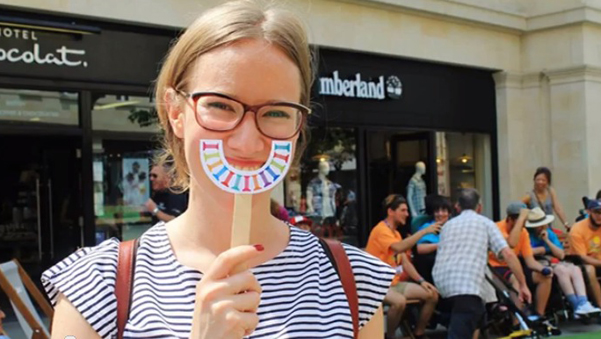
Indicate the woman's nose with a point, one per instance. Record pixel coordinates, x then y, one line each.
246 138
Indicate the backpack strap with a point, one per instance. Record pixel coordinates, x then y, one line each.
339 259
124 282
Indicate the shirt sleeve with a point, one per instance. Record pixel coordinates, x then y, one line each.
526 248
577 243
87 279
372 278
384 240
496 241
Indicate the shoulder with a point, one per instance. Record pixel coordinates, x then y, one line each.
426 225
87 279
372 280
579 227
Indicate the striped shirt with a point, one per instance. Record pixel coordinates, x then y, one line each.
302 295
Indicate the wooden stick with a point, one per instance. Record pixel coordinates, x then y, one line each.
241 224
241 220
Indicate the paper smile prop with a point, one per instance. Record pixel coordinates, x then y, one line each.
237 181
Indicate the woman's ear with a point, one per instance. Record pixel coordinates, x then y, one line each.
175 112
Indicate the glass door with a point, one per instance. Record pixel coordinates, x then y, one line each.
40 201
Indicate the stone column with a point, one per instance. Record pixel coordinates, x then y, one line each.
510 132
575 103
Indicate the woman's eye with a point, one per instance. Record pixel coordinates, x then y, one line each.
276 114
220 105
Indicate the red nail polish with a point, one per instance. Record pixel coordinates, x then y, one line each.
259 247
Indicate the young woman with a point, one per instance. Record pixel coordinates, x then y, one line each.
545 243
441 210
544 196
237 71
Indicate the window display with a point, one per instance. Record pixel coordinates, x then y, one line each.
464 161
323 187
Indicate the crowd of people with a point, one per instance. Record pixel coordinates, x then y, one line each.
451 250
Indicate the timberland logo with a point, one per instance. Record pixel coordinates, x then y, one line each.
377 89
36 54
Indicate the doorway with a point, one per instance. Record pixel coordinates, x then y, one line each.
391 158
40 200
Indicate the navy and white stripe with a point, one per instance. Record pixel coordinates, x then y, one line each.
302 294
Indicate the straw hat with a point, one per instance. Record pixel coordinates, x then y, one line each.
537 218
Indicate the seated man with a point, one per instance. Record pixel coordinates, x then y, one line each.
386 243
512 229
585 241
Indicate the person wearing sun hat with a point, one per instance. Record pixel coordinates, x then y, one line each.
545 243
512 229
301 222
585 241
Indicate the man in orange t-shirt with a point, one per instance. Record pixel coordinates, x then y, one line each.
512 229
585 241
386 243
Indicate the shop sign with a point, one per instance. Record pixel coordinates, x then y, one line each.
36 53
378 89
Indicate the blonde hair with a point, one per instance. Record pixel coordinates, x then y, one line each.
222 25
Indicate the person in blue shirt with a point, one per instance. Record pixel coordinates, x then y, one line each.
546 244
440 209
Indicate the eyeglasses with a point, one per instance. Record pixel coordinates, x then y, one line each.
219 112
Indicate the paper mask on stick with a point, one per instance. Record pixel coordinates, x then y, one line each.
244 183
237 181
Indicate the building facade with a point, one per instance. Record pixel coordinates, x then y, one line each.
482 91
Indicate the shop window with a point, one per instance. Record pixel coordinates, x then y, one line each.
121 188
464 161
38 107
124 127
123 113
324 186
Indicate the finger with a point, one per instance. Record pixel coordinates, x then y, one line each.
243 302
225 263
242 322
242 282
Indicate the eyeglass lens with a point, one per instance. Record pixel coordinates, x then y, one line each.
222 114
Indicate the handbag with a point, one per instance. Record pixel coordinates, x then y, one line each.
125 278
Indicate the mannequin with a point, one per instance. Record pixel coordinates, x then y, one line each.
416 190
321 193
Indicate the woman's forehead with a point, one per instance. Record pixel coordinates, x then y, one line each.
248 69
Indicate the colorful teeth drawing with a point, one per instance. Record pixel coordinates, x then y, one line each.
239 181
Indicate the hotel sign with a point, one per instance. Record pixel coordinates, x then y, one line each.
36 52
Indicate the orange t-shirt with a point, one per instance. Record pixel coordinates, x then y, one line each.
585 241
523 247
378 245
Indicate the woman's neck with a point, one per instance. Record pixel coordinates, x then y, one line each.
207 223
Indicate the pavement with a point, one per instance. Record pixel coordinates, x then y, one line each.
570 329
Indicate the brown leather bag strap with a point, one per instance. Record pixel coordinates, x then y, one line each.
124 281
347 277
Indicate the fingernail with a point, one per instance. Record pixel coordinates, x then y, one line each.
259 247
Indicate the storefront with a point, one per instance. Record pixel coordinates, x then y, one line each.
77 131
374 118
78 128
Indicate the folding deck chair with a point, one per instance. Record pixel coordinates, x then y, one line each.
16 283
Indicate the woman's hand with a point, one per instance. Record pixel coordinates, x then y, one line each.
544 235
227 296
